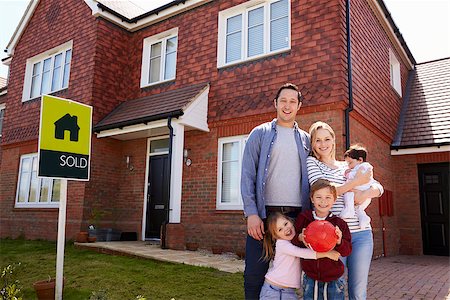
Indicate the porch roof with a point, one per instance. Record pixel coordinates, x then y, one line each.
151 108
425 116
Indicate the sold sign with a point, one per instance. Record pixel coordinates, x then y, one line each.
64 139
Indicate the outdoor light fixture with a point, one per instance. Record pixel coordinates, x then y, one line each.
128 161
187 160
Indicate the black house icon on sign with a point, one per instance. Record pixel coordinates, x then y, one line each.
67 122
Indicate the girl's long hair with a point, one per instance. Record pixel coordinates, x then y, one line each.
270 236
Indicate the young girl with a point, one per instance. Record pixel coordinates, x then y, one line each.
283 278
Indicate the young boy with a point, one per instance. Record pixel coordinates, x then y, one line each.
356 160
322 279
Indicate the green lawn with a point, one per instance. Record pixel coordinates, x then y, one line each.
122 277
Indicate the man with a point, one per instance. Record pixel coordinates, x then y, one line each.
274 178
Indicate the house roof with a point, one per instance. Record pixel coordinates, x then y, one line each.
425 116
151 108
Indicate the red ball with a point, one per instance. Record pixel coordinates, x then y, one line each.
321 235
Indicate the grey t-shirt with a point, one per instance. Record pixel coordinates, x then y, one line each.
284 175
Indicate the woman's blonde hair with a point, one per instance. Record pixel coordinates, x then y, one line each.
270 236
313 133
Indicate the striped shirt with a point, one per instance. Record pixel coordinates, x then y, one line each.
318 170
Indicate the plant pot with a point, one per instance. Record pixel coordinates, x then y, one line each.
91 239
45 289
82 237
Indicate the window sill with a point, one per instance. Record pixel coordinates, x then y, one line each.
158 84
256 59
55 93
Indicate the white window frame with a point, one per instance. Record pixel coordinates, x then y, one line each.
395 74
52 53
147 44
244 9
237 205
37 204
2 117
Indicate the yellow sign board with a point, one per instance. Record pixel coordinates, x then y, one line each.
64 139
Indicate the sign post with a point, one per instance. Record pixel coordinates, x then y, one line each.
64 153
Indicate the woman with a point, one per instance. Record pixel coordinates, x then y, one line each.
323 164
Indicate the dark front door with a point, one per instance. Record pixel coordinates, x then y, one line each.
157 195
434 207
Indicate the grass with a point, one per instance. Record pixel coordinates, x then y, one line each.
122 277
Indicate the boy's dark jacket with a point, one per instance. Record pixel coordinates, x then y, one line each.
324 269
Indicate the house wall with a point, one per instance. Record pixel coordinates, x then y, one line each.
407 202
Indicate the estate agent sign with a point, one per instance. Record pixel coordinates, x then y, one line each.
64 139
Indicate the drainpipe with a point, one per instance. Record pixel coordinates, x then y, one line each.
169 171
349 76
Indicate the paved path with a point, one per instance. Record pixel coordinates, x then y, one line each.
397 277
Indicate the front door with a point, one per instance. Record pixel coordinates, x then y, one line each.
157 195
434 207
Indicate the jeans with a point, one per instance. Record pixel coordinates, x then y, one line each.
255 267
335 290
358 264
271 292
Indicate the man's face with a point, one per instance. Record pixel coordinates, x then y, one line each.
287 106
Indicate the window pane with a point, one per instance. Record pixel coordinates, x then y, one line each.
233 40
34 182
67 68
170 67
23 188
155 50
279 34
45 187
56 190
230 182
2 113
171 45
157 146
255 32
36 80
279 9
155 65
279 25
230 151
56 78
45 86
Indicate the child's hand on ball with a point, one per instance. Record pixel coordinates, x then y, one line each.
339 235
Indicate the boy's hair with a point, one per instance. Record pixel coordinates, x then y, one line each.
321 184
289 86
356 152
270 236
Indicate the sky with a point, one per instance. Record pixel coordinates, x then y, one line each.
424 24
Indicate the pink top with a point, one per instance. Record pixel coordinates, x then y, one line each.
285 270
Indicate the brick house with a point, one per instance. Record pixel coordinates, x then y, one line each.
168 144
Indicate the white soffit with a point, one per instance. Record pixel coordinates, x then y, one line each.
421 150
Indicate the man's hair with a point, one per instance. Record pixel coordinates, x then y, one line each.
356 152
321 184
289 86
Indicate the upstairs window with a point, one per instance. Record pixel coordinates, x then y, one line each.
253 30
229 168
33 191
2 115
48 72
159 58
394 65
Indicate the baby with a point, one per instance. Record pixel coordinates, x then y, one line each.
356 160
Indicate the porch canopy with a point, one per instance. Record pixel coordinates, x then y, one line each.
147 116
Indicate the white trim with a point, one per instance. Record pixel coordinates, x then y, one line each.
131 128
155 18
146 49
390 32
421 150
176 172
243 9
2 107
395 74
232 206
196 112
26 17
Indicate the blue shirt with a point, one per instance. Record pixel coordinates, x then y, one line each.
255 164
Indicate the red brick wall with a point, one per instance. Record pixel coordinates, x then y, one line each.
407 204
374 97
